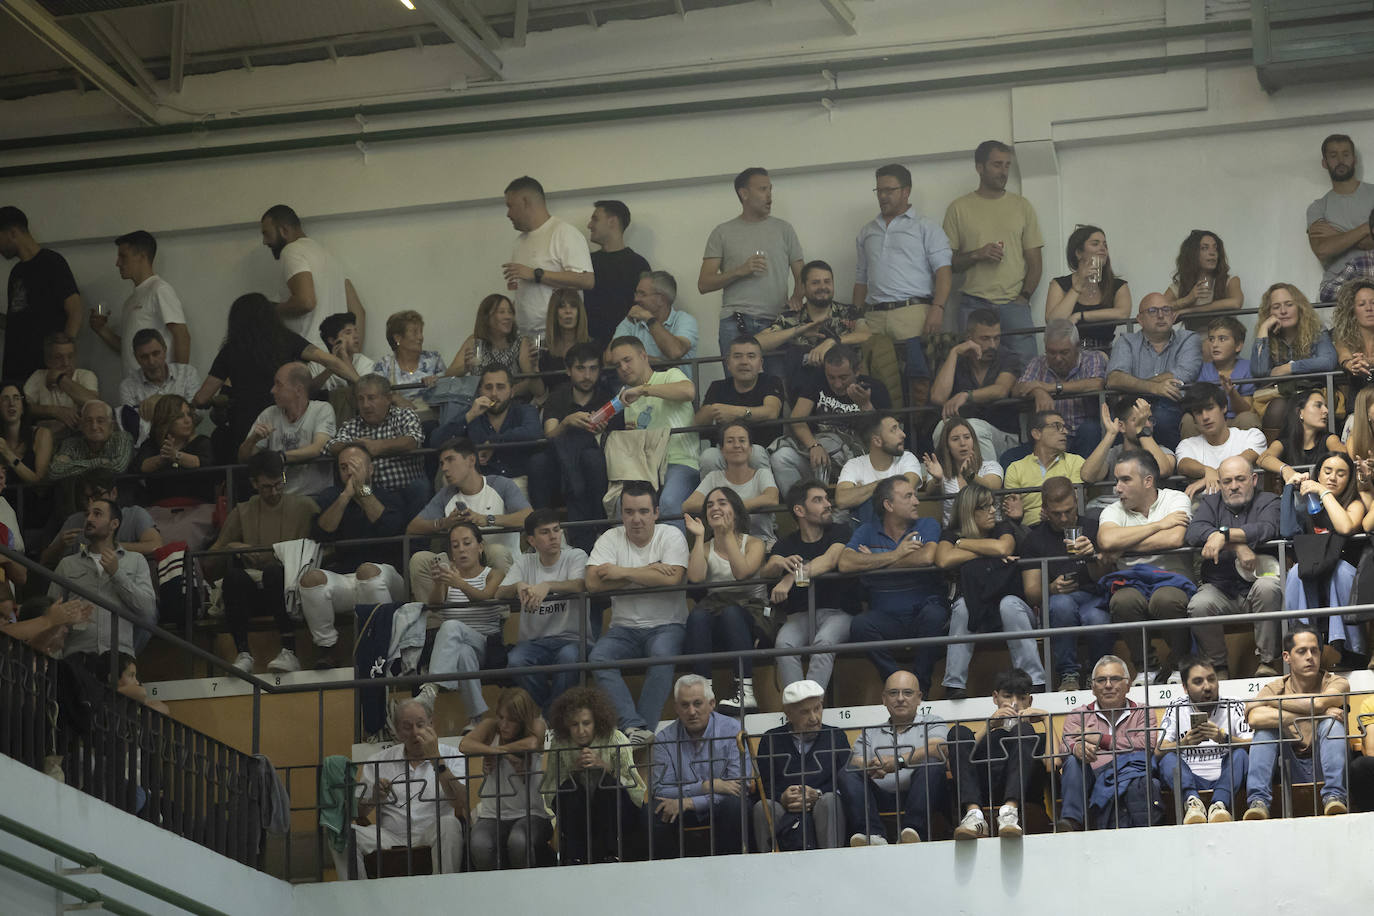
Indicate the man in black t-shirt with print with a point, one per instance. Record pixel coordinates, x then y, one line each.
573 465
747 394
812 550
820 448
617 269
42 295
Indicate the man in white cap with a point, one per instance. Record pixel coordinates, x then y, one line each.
800 763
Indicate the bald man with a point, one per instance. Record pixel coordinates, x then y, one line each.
1231 526
297 426
1157 362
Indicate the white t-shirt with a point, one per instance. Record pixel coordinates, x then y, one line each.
860 471
152 304
481 504
556 245
667 545
37 392
557 618
307 255
1167 501
415 789
760 523
1211 456
361 365
951 486
318 417
1204 759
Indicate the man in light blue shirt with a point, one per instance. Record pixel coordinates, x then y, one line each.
667 333
698 773
1157 362
902 274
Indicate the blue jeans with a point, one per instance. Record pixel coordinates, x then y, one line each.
731 326
679 481
1073 610
1225 788
1014 315
550 650
729 629
1328 752
1017 617
458 648
864 801
888 619
635 642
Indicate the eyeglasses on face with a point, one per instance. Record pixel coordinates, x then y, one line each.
1113 680
1057 426
905 694
1159 311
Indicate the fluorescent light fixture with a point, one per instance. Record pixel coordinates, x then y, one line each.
407 4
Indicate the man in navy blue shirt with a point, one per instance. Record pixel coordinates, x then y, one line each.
494 417
900 605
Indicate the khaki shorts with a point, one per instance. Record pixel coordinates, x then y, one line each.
901 323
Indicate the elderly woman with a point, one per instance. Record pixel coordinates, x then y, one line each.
409 363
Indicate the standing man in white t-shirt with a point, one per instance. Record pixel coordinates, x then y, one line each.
550 627
549 254
152 304
886 457
1148 518
749 258
1338 221
646 554
318 283
487 501
1200 456
296 425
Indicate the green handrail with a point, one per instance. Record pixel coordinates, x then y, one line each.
66 885
91 860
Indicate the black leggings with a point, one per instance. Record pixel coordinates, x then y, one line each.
244 599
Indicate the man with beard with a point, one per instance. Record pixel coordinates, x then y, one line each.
391 434
573 467
806 334
1202 745
317 282
495 417
1228 525
120 577
996 240
886 457
1338 222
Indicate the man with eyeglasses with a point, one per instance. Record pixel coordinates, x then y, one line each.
1048 458
1107 741
903 276
253 582
899 764
1157 361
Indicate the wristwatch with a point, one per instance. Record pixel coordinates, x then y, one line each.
1225 531
539 275
491 521
440 768
1059 388
748 413
364 490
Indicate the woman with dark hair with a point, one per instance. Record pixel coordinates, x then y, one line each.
722 620
1304 437
590 779
510 818
1289 340
565 326
981 548
463 578
25 447
495 341
1202 278
958 461
173 444
1333 492
755 486
1091 292
257 344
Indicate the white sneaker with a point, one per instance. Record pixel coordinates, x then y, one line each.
741 701
907 836
285 662
244 662
427 695
860 839
1008 822
973 827
1194 813
1175 677
1144 678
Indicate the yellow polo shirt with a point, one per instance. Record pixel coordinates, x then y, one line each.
1027 472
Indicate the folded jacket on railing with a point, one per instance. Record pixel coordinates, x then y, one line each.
296 556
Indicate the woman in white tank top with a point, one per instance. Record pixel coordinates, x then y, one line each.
510 824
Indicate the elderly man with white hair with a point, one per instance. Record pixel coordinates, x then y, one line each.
413 793
101 444
698 773
1056 380
800 763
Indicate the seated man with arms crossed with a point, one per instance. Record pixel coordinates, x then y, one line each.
800 763
1202 742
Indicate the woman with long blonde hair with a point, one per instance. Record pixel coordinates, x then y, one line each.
1289 340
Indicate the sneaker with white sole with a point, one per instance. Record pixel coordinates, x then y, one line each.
1258 811
973 827
284 663
860 839
908 836
1068 684
1009 822
1217 814
1174 677
1143 678
1194 813
427 695
244 662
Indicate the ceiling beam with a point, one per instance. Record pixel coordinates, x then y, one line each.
441 15
123 52
843 15
479 23
44 27
176 73
522 22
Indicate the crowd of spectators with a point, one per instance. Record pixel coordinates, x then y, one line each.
577 400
